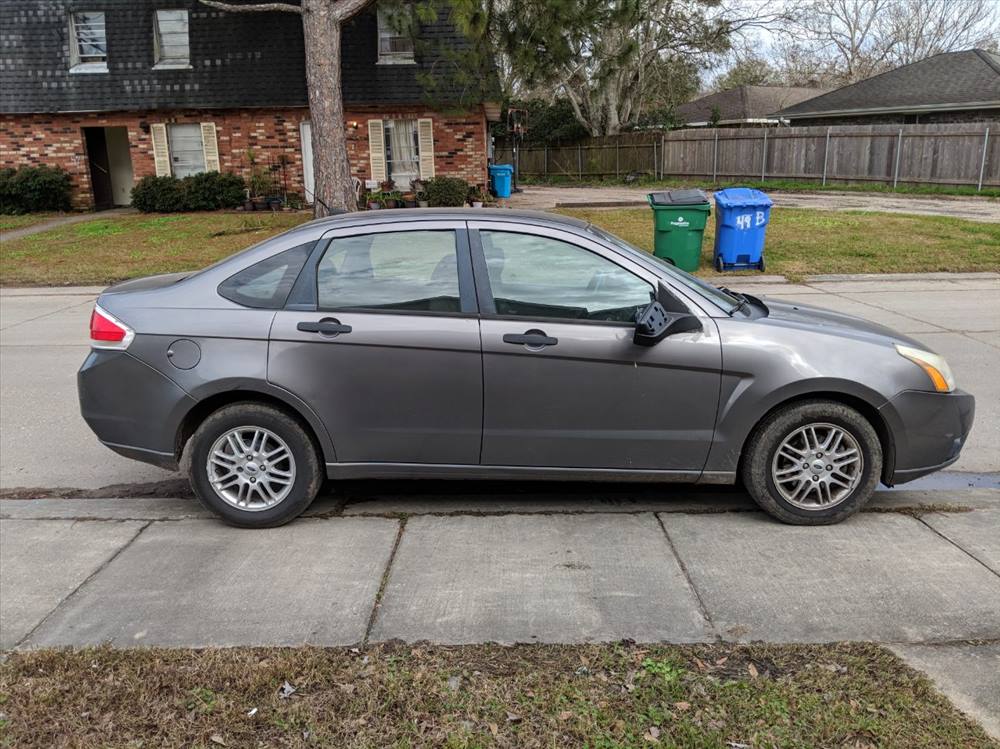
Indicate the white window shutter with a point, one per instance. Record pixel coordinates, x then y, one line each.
425 141
210 145
161 152
376 149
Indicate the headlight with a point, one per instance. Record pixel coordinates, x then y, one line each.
935 366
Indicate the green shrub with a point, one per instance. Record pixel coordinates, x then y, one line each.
208 191
158 195
447 191
34 188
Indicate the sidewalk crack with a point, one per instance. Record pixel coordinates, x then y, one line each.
383 583
100 568
702 608
965 551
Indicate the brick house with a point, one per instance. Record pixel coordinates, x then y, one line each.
115 90
948 87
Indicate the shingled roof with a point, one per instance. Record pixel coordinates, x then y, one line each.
744 104
948 81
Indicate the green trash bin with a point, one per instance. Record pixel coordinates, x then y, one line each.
679 218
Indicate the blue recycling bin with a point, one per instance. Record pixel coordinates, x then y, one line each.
741 218
501 176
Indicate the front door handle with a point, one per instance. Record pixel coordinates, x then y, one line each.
327 326
531 338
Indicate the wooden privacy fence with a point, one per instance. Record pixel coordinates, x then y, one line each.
959 154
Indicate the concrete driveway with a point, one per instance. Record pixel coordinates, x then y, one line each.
544 197
43 340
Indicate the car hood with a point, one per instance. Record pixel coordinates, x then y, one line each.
818 319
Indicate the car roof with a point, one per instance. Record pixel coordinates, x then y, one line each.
451 214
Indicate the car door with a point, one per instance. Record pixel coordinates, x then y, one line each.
380 337
565 385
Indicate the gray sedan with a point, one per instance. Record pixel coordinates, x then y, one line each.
502 345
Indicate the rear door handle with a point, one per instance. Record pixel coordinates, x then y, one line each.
531 339
327 326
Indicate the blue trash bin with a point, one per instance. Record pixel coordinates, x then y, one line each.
741 219
501 176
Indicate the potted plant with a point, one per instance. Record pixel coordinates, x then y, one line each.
374 200
387 185
391 199
409 200
477 197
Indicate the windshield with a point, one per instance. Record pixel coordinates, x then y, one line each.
727 302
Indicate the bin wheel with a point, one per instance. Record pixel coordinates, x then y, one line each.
760 265
718 263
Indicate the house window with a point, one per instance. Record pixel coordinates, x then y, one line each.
187 150
88 43
402 152
395 42
170 39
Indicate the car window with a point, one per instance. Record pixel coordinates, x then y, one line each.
266 284
533 276
407 270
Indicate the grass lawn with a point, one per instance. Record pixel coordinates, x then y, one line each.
851 695
9 222
105 250
804 242
799 242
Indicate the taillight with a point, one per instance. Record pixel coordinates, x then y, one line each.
108 332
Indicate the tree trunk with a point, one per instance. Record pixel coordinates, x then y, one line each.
321 30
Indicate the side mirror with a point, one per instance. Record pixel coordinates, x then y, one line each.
653 323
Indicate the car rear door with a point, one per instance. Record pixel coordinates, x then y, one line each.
565 385
380 337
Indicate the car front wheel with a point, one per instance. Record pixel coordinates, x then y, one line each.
813 463
254 466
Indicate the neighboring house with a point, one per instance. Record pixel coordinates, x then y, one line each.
114 91
744 106
949 87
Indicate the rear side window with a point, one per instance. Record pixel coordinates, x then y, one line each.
267 284
415 271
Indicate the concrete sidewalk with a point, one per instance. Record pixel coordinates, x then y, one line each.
43 341
546 567
545 197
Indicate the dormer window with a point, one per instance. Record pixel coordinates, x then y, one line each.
88 42
395 42
172 46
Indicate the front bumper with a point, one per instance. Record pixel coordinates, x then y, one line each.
132 408
928 429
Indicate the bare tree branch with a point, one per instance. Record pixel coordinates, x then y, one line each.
344 9
254 8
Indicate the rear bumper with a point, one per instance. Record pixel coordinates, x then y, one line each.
928 429
132 408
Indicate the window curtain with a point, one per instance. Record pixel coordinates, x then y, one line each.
405 166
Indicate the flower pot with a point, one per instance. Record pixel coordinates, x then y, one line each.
477 204
373 206
409 204
248 205
423 204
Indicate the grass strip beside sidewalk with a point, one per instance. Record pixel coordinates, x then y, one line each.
802 241
846 695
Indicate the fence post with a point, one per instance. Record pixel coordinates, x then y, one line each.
655 172
982 161
545 160
715 157
663 150
899 147
826 154
579 160
618 171
763 160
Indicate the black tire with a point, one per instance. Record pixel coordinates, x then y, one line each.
718 264
761 266
308 476
768 437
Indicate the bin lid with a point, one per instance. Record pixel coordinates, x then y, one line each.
678 197
742 197
502 168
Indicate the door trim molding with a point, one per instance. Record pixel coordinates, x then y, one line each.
534 473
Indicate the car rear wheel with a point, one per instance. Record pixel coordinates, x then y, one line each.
254 466
813 463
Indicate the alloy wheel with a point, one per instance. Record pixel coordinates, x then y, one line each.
251 468
817 466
